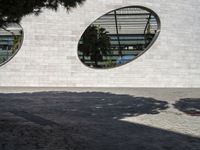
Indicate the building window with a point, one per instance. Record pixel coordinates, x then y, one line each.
118 37
11 37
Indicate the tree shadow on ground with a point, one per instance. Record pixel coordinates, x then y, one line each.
190 106
83 121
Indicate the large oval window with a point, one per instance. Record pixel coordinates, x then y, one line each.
11 37
118 37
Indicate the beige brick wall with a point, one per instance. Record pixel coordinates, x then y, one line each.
48 57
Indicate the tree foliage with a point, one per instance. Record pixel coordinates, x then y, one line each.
14 10
96 43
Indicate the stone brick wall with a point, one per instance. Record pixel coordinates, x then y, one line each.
48 57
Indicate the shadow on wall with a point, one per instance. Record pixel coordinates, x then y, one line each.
190 106
83 121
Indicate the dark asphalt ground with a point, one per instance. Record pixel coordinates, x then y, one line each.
90 121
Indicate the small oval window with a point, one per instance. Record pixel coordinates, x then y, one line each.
118 37
11 37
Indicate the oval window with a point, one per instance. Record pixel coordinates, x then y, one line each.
11 37
118 37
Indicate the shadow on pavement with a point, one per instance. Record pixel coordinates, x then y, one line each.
190 106
83 121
